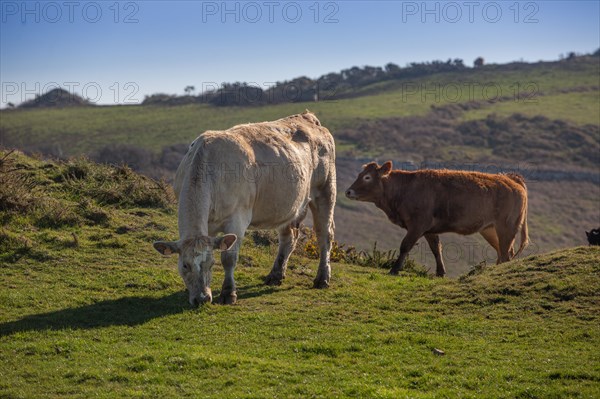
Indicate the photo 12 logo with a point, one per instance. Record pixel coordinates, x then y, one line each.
456 92
270 11
53 12
53 92
470 11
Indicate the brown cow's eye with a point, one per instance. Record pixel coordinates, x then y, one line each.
367 178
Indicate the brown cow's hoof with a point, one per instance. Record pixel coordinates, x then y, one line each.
229 299
273 280
321 284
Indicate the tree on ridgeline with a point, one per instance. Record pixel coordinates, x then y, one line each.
189 90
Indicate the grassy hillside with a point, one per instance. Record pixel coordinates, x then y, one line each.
87 308
420 120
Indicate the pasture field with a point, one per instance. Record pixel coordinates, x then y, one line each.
89 309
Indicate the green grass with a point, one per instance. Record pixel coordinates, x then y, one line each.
87 129
581 108
91 310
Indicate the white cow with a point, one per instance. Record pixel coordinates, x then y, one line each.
258 175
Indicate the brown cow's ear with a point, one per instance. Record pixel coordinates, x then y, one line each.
225 243
370 165
167 247
385 169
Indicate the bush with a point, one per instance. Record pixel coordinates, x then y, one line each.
135 157
16 186
441 136
116 185
309 248
172 155
264 238
51 213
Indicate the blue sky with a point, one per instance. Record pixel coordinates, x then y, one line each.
118 52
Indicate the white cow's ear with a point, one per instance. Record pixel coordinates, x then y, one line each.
167 247
225 243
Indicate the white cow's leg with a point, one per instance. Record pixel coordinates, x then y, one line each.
229 260
322 210
287 243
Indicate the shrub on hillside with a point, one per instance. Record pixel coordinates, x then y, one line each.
55 194
122 186
134 156
171 156
441 136
16 185
308 247
162 99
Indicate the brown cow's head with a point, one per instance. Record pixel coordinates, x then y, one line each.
368 186
196 261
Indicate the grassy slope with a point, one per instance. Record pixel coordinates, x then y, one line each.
91 310
580 108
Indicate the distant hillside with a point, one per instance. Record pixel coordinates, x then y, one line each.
444 137
348 83
56 98
557 90
89 308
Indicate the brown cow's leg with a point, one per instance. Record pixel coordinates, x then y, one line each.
436 247
491 237
408 242
506 239
287 242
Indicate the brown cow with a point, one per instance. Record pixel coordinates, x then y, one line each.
430 202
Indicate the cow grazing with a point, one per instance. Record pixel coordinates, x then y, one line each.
431 202
593 236
258 175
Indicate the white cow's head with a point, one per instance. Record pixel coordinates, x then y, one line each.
196 261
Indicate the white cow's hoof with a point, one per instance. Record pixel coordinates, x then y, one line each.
228 299
273 280
321 284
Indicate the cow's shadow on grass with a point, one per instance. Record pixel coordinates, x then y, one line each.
258 290
127 311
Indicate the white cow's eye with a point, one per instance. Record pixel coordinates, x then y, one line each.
186 266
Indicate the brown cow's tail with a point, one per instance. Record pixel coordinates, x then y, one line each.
524 231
